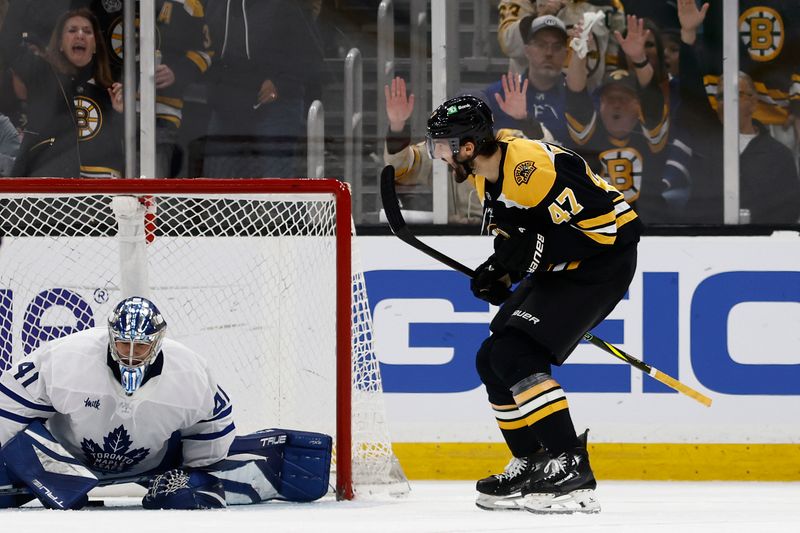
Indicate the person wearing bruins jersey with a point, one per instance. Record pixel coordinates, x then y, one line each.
183 57
624 137
74 124
569 238
769 41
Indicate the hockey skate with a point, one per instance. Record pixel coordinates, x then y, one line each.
503 492
566 487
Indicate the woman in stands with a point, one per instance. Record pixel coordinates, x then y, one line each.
74 109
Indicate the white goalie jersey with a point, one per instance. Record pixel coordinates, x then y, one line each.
71 382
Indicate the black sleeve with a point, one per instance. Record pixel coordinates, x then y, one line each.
692 89
397 141
652 100
579 105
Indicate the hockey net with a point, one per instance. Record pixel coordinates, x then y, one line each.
259 276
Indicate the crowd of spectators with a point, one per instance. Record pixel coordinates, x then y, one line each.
635 88
632 86
251 64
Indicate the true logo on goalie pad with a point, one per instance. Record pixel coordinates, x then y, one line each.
273 441
47 492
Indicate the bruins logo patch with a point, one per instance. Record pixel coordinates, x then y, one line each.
523 172
88 117
762 32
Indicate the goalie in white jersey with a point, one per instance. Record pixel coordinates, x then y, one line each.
123 403
115 397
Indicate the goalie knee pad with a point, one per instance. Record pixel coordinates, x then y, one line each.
178 489
51 473
276 464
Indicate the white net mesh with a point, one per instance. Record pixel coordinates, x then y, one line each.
247 280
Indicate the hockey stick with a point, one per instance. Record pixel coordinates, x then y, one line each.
391 207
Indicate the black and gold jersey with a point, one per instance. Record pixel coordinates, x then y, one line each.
551 190
182 41
769 37
633 164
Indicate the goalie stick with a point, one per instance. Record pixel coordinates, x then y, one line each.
391 207
12 490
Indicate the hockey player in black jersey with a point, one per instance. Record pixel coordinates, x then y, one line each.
568 240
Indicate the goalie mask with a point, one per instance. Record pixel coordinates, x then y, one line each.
135 329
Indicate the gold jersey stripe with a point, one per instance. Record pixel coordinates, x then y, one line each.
578 132
170 118
600 238
510 407
99 172
625 218
598 221
198 59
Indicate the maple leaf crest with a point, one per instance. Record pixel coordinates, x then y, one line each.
115 455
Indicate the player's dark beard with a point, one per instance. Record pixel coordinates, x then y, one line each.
461 170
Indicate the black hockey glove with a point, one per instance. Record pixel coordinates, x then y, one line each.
491 283
519 251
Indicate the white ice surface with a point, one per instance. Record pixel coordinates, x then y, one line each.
443 506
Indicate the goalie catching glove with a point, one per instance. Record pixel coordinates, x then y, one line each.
179 489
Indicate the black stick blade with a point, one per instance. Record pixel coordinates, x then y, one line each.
391 204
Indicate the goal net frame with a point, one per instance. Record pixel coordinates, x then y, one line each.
344 290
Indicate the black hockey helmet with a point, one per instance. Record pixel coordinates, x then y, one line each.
457 120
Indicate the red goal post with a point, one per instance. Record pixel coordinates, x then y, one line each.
194 224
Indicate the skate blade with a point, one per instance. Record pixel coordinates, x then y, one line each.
499 503
577 501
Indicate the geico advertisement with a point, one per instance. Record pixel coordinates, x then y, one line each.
720 314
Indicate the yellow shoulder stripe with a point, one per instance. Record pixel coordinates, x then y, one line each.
602 220
194 8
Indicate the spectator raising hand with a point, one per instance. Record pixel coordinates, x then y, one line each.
513 100
633 45
399 104
690 18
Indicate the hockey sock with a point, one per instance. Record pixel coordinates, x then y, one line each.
543 407
522 441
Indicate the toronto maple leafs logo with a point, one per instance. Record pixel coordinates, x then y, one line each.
115 456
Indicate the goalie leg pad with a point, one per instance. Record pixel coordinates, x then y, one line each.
276 464
54 476
6 483
306 467
178 489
